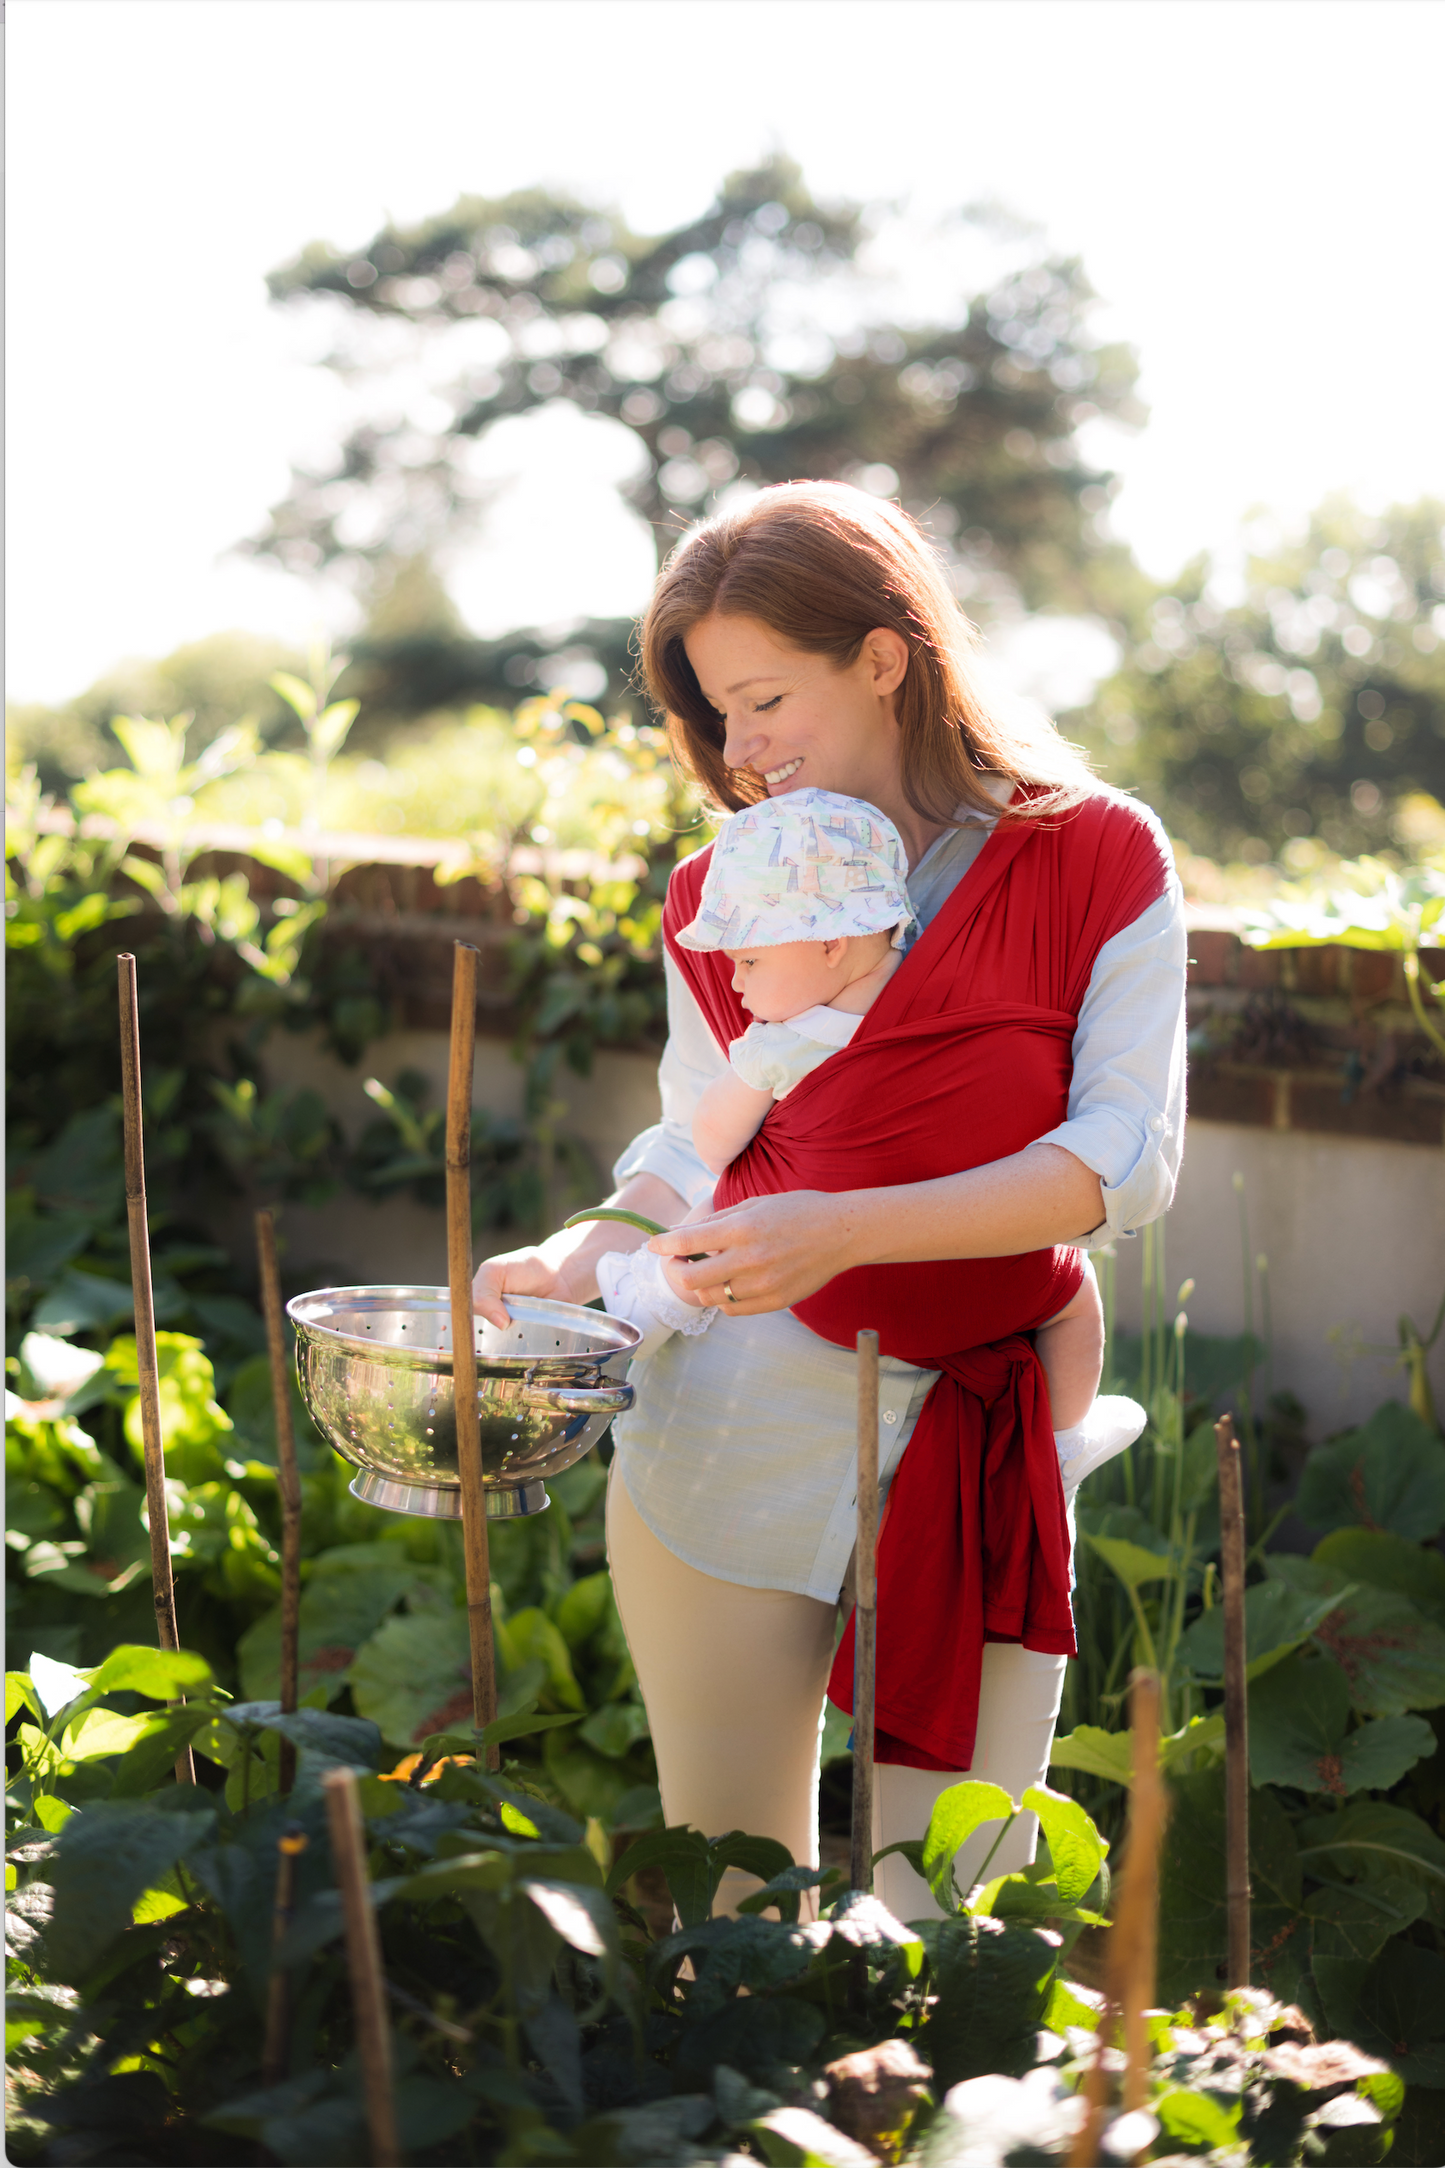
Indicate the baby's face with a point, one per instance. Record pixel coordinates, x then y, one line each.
780 982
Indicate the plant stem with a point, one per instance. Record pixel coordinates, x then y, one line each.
163 1585
1236 1707
288 1481
1412 983
464 1347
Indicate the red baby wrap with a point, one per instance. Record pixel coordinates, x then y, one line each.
965 1058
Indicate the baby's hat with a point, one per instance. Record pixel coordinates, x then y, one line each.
808 866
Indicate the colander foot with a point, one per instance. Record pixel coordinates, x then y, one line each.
443 1502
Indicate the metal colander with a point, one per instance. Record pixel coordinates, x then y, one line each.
375 1365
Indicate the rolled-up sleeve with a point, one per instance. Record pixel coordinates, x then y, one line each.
1126 1102
690 1061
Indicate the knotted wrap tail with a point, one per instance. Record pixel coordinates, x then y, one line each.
975 1549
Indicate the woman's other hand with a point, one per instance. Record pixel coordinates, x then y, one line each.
517 1272
564 1267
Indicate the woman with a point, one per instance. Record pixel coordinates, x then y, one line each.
811 639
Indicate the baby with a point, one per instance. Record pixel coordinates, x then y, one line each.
807 897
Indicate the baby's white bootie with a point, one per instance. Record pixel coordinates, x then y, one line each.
632 1286
1111 1424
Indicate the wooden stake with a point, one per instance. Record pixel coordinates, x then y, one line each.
148 1371
1129 1971
464 1346
363 1962
865 1615
1236 1704
276 2054
288 1479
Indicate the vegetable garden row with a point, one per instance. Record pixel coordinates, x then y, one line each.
556 1989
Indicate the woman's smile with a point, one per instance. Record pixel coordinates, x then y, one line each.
775 778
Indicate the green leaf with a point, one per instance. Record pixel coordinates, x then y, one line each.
1374 1838
785 1891
1133 1565
798 2138
682 1855
101 1732
20 1694
296 693
1095 1752
957 1813
579 1914
587 1606
762 1856
1379 1560
413 1677
615 1728
159 1674
1072 2006
1193 1940
533 1638
349 1740
1277 1619
1299 1733
1393 1657
1197 2119
344 1601
104 1858
991 1983
1202 1739
1389 1474
1393 2008
1359 1922
83 1302
1076 1849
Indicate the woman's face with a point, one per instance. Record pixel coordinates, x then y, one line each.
797 721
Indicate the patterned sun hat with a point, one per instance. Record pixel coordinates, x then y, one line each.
809 866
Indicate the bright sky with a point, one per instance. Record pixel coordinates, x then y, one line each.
1253 185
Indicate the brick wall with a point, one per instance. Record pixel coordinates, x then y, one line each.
1322 1040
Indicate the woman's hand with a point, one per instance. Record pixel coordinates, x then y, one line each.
771 1251
564 1267
517 1272
776 1251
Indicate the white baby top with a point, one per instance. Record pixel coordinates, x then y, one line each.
739 1452
775 1057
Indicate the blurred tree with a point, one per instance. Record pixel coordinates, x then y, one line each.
709 343
1311 708
217 680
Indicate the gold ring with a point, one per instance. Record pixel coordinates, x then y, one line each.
728 1291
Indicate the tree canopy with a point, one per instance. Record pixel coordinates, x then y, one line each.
746 346
1311 708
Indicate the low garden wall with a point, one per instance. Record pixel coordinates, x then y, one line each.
1304 1080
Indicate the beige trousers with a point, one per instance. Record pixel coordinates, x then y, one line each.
734 1681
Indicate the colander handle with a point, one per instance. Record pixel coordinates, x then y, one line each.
580 1399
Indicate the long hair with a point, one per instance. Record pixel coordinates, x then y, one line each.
822 565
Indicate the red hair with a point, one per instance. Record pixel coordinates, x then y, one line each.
822 565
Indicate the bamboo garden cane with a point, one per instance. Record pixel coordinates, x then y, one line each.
363 1963
1129 1969
147 1368
1236 1704
276 2050
464 1346
865 1614
288 1479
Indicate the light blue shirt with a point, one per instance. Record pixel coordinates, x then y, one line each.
739 1452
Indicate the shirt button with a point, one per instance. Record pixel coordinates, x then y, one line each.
1156 1122
889 1416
